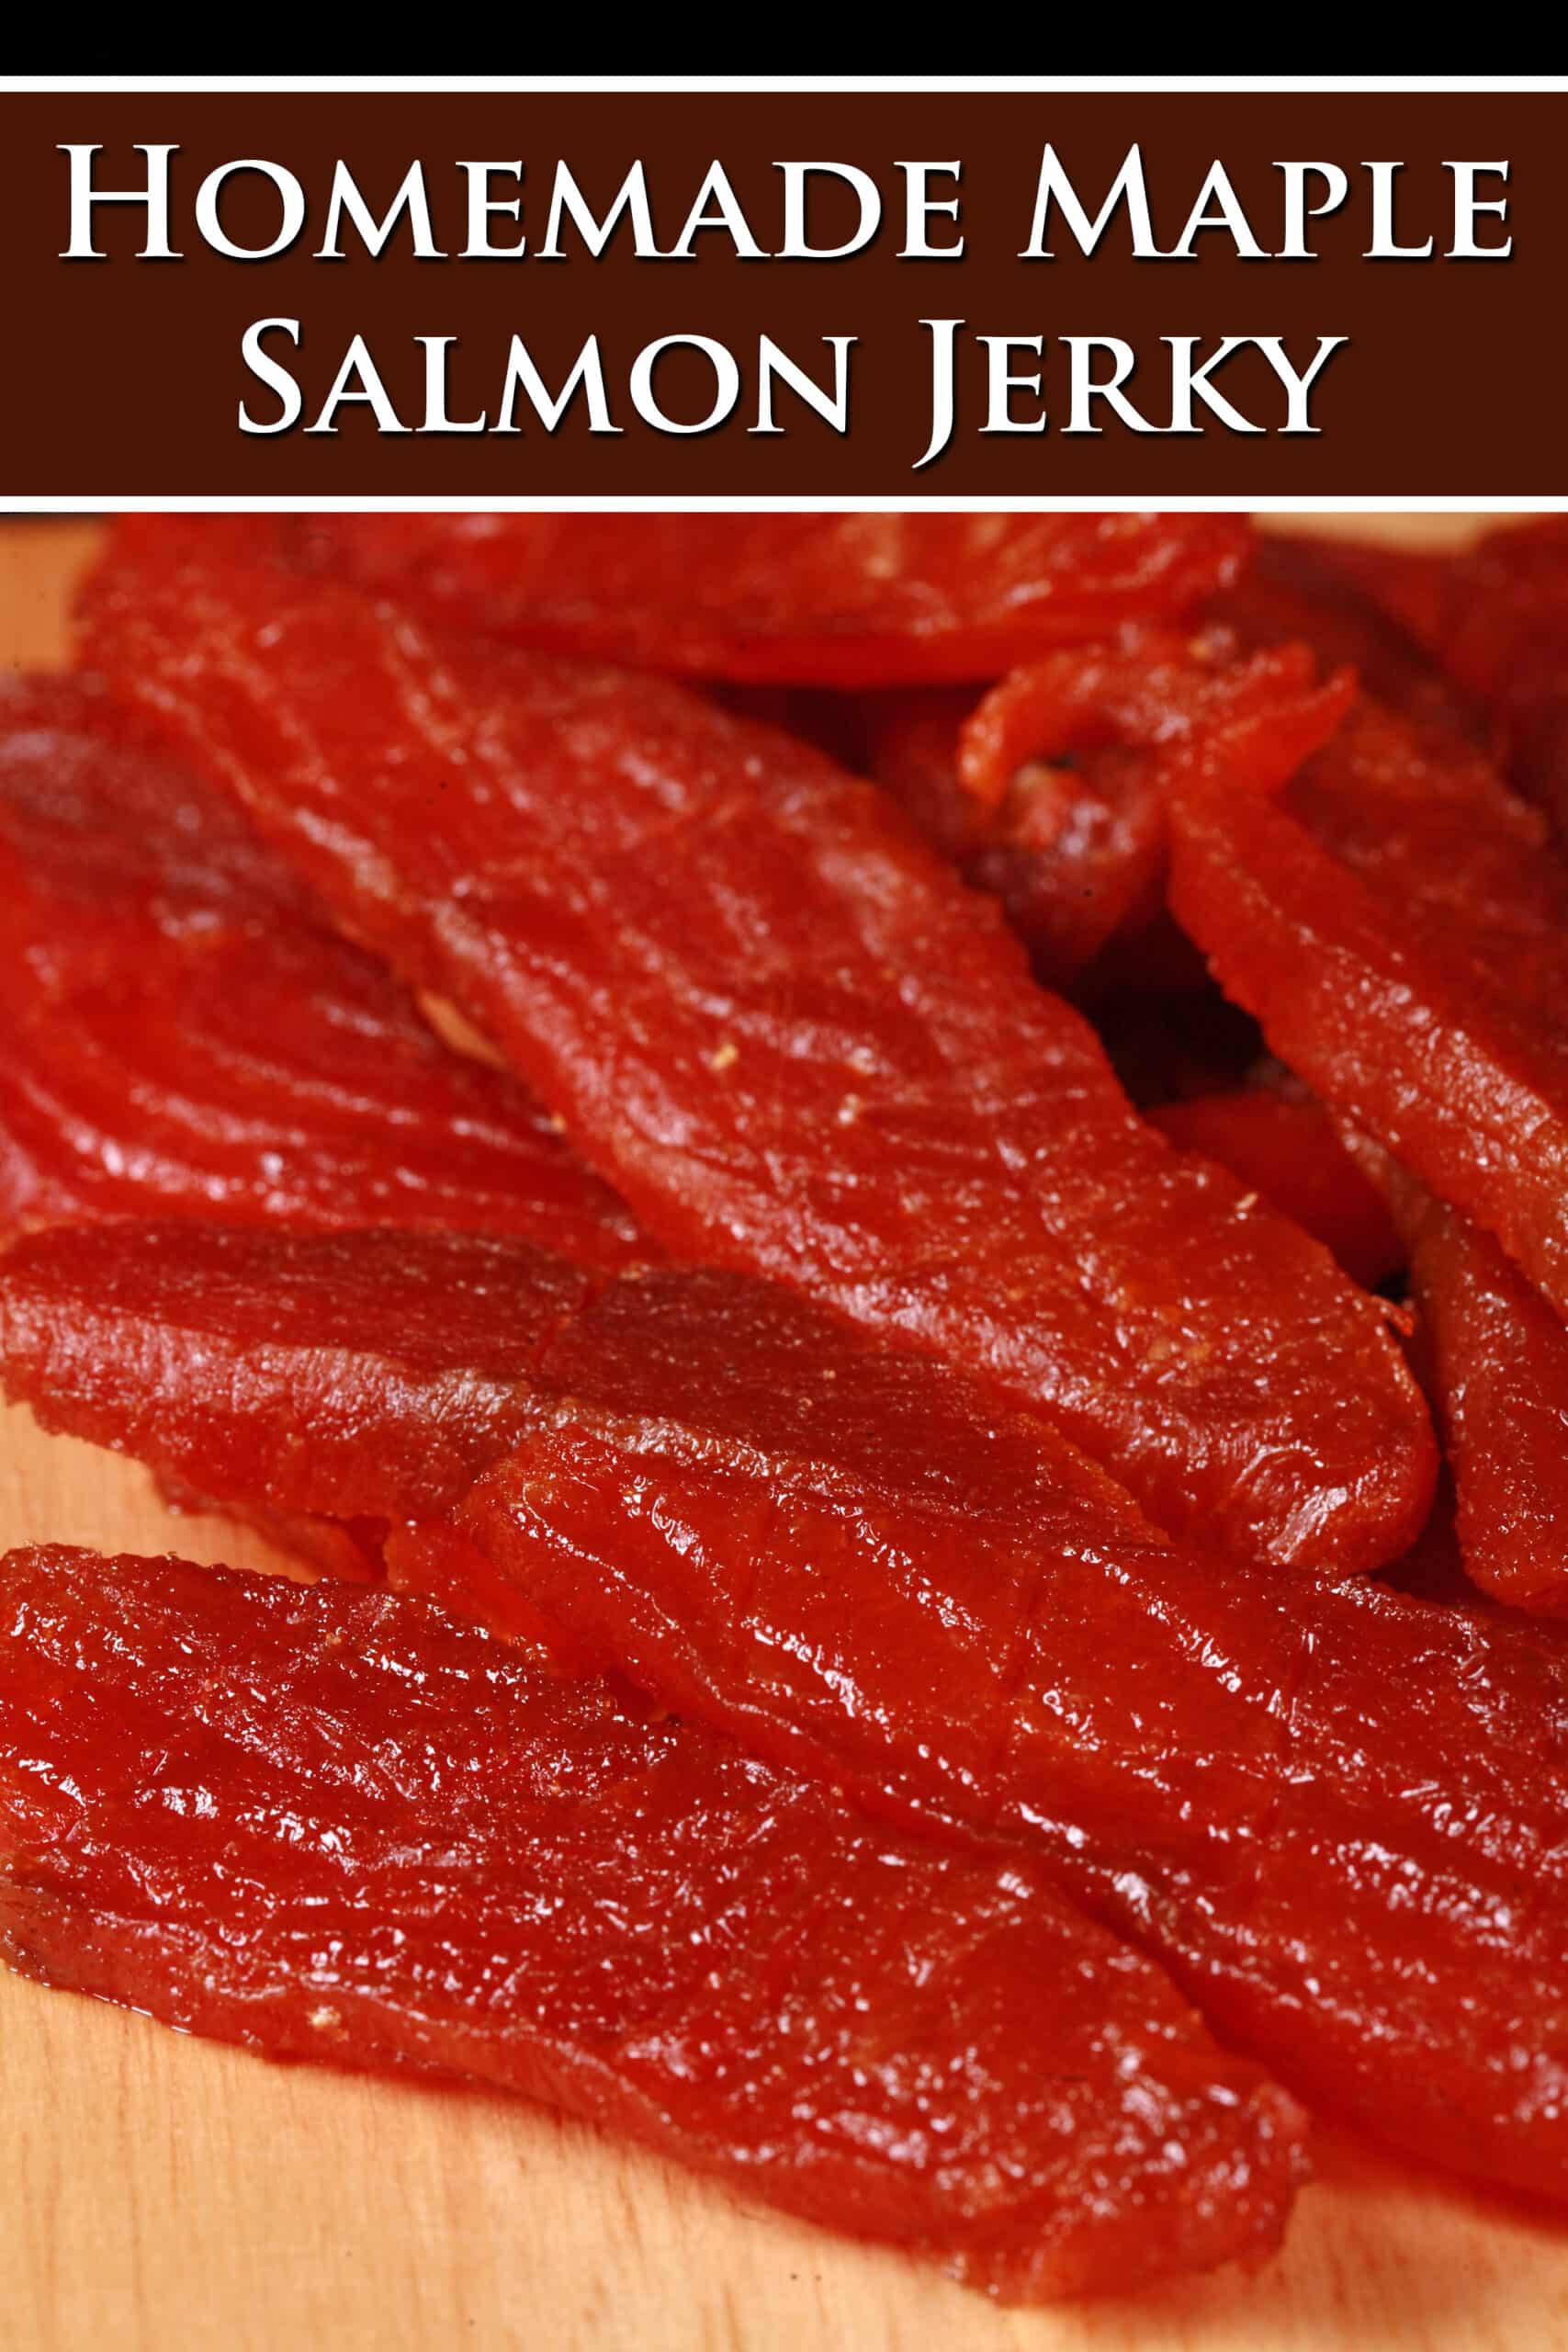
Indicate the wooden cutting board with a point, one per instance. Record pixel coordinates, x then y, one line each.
159 2192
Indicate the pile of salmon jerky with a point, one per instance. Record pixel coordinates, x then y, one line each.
882 1204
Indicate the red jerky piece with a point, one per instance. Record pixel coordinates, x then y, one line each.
1496 1360
828 600
1068 772
1338 1816
1079 872
789 1036
417 1361
1342 1824
178 1030
1145 716
1346 601
630 1921
368 1374
1290 1151
1397 924
1498 617
1056 893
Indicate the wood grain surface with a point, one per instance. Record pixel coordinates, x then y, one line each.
158 2192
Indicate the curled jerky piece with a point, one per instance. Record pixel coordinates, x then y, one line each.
788 1035
1341 1823
1289 1149
1145 717
1397 924
1496 1356
1076 865
832 600
1066 864
1068 767
631 1922
178 1029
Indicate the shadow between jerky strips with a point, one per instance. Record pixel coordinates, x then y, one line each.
784 1031
1338 1816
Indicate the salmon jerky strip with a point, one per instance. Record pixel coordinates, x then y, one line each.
1288 1148
1078 757
1495 616
1360 607
355 1375
180 1031
1397 924
828 600
1495 1358
1340 1819
1051 792
787 1035
1337 1814
331 1825
1067 866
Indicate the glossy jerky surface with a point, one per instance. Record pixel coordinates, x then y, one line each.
180 1031
1497 616
1359 607
418 1361
1163 708
1399 926
1338 1816
1066 892
788 1036
628 1920
1341 1822
1077 867
834 600
1288 1148
357 1375
1496 1357
1074 759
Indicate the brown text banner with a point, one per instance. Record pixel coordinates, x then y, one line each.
681 295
